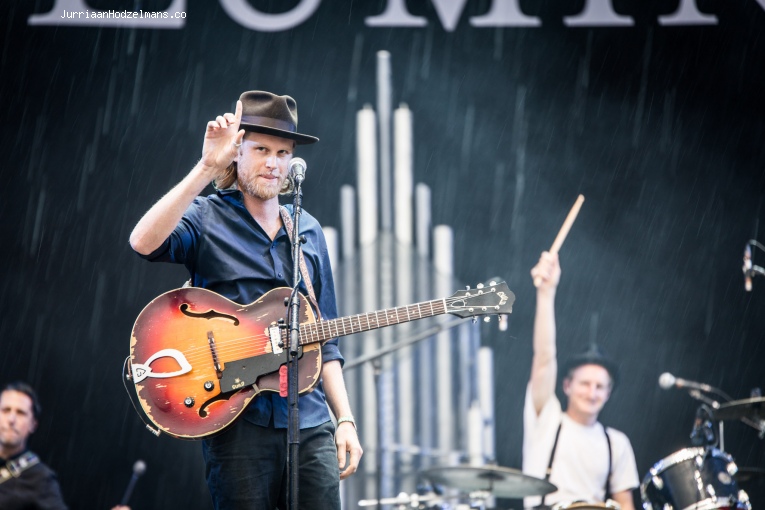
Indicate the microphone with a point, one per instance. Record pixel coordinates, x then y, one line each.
297 169
138 469
747 269
667 381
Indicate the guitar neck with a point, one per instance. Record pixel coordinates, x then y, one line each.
324 330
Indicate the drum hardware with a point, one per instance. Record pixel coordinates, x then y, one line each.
587 505
750 270
500 481
404 500
474 500
746 475
749 410
703 433
700 478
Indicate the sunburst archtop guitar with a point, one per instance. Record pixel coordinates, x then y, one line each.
198 359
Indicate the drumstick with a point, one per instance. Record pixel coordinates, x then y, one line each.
567 225
564 231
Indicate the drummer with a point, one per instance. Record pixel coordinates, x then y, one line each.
571 448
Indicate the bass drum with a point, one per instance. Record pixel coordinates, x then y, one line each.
693 479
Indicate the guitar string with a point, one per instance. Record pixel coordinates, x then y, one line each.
242 346
314 328
238 347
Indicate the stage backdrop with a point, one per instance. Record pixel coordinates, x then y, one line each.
652 110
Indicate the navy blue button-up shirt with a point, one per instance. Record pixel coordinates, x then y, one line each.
228 252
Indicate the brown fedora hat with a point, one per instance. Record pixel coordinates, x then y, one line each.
268 113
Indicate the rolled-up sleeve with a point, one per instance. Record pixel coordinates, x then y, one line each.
181 246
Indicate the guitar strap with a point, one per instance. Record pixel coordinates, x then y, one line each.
14 468
287 220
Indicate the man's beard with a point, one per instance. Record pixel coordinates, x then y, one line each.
259 190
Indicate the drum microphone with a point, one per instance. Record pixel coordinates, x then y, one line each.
667 381
747 268
297 169
138 469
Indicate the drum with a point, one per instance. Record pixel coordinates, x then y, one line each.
693 479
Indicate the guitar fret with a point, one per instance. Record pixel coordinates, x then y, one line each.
407 314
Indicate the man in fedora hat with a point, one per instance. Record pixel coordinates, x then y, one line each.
585 460
234 242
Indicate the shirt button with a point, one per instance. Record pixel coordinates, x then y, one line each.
279 275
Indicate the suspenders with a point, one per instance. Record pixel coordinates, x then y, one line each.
552 457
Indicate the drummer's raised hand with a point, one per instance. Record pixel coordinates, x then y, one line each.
222 140
546 274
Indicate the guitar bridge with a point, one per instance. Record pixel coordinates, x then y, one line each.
274 333
214 352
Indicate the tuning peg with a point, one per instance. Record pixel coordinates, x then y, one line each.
479 286
475 319
492 283
487 319
467 287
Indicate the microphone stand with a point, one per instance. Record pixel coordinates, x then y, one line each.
293 353
696 394
376 359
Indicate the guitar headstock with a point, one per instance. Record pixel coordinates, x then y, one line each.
492 299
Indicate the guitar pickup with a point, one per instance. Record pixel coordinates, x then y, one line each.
274 333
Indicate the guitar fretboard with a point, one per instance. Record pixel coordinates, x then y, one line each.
324 330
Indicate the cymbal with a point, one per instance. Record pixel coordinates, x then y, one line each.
500 481
752 408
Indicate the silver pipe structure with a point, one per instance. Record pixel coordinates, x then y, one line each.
366 174
404 277
430 409
423 219
426 349
443 243
348 304
331 237
486 400
384 106
348 221
403 168
467 388
367 187
368 342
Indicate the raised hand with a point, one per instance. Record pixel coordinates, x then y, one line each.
546 273
222 140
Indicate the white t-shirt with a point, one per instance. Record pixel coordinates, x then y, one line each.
580 466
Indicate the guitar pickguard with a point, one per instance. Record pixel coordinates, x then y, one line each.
245 372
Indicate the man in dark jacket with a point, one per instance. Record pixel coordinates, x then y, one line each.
25 482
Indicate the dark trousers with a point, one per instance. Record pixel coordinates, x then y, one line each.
246 468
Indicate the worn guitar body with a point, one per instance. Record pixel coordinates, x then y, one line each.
197 358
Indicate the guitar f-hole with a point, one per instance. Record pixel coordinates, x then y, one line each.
209 314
